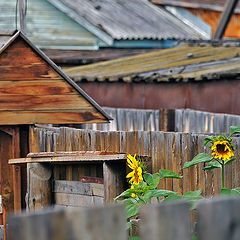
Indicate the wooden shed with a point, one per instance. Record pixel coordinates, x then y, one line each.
33 90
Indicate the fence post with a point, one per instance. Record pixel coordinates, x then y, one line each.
39 189
218 219
166 221
102 223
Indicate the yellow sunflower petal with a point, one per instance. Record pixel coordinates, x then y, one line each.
131 174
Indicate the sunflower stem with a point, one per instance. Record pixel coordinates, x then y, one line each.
222 175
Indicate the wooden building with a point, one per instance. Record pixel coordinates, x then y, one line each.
79 32
201 77
209 11
33 90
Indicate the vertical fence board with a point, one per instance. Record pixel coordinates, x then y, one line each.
166 222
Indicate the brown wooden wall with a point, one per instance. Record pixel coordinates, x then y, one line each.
168 151
221 96
212 17
32 92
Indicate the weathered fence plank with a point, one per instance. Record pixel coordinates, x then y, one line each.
218 219
167 221
167 151
179 120
100 223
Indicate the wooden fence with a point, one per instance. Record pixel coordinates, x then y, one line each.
217 219
178 120
167 151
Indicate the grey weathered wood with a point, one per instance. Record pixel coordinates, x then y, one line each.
167 221
46 225
39 186
100 223
77 187
219 219
22 15
114 175
77 200
61 186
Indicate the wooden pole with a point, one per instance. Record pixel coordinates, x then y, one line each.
225 18
22 15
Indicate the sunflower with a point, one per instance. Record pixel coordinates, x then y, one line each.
222 149
136 174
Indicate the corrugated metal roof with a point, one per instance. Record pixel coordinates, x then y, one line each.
134 20
216 5
48 27
177 64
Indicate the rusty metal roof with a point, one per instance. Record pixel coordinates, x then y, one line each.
184 63
215 5
127 20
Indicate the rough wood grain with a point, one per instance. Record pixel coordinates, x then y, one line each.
47 117
77 187
114 175
77 200
166 221
61 158
224 212
39 186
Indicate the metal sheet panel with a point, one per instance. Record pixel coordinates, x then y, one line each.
47 26
135 19
185 63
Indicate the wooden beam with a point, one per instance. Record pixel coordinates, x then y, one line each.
225 18
84 157
22 15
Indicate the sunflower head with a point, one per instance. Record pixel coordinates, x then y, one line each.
136 174
222 148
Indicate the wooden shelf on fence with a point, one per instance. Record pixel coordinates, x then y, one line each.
69 157
57 178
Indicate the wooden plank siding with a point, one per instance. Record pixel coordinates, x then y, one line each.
167 151
178 120
34 90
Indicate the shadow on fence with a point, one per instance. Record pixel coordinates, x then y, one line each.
216 219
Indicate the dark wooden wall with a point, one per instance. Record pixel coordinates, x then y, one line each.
211 96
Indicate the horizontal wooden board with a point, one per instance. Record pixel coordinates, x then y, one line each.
77 187
77 200
27 72
43 102
70 159
34 117
33 87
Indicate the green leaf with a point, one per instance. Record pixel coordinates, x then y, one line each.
127 193
134 238
201 157
229 161
158 193
173 197
168 174
148 178
212 165
192 195
156 179
237 189
152 180
234 130
207 140
229 192
132 207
